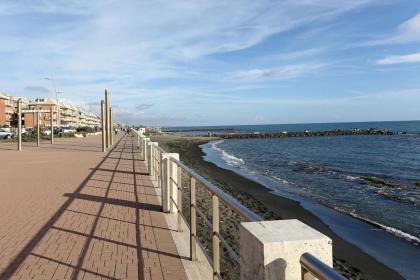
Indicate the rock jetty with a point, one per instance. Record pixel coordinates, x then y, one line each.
306 133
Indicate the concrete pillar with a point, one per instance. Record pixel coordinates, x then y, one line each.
146 150
103 126
149 157
168 188
19 132
151 161
52 124
271 249
107 144
38 130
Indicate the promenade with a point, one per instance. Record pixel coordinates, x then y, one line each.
69 211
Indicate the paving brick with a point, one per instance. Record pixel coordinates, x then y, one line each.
81 221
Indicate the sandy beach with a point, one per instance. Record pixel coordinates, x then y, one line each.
348 259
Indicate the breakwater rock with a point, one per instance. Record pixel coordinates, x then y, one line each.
306 133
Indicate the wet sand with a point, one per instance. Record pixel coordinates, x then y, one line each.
348 259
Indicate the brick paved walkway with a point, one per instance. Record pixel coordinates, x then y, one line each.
110 227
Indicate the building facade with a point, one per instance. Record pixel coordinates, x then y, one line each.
6 109
64 115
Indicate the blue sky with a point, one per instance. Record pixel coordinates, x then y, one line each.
218 62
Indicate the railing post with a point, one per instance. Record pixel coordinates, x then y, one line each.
149 158
179 196
305 275
147 150
216 241
144 148
170 182
193 221
155 167
169 175
159 167
153 160
272 249
140 141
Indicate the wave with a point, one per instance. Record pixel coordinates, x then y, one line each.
228 158
397 232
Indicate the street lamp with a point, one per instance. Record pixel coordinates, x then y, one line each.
56 99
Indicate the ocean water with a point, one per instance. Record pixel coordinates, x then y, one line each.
363 186
371 177
396 126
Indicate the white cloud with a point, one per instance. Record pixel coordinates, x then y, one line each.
406 32
290 71
409 30
141 40
397 59
92 45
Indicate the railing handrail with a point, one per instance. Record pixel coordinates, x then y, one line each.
244 212
309 263
318 269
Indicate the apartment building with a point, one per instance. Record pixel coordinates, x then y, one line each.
67 115
8 109
45 104
3 99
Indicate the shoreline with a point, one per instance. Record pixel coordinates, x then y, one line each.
260 199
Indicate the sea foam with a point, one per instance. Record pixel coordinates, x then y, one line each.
227 157
397 232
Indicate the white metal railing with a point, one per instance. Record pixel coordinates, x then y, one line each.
311 267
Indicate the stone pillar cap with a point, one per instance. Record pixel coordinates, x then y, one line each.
282 231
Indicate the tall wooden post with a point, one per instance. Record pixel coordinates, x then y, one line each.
19 144
106 120
103 126
111 132
109 124
52 124
38 130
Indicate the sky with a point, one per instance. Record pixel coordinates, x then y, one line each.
218 62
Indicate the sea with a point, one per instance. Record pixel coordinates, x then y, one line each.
370 178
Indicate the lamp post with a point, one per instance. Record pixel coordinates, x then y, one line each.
56 99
